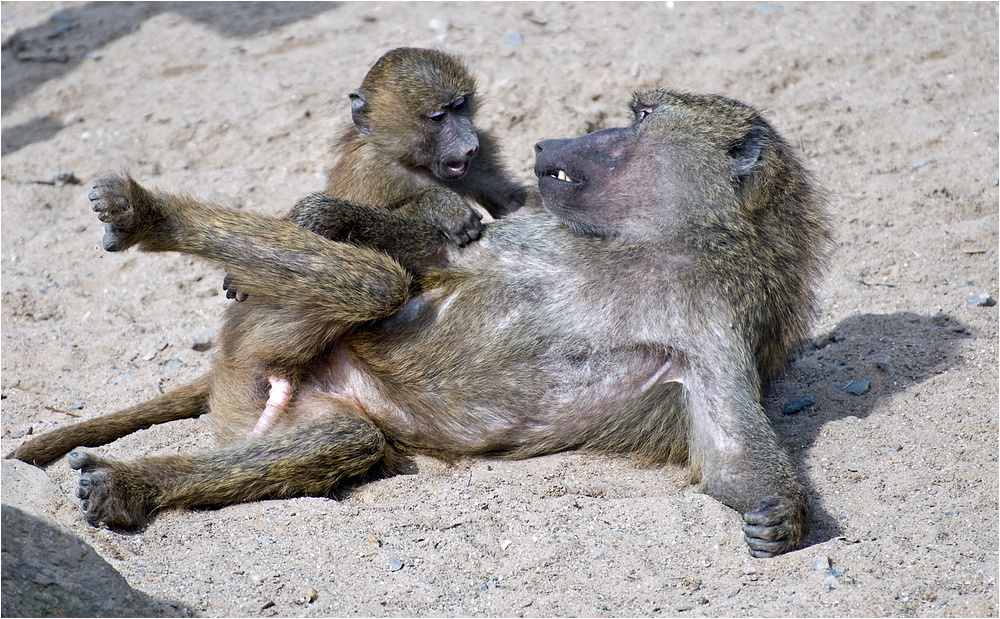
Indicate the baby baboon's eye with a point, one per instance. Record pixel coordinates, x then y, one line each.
438 116
458 104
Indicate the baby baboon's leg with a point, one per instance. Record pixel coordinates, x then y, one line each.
310 459
317 282
736 453
187 401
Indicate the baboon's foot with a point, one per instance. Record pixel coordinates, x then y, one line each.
125 208
109 494
778 524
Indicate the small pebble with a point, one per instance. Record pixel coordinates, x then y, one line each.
885 364
857 387
514 38
896 447
840 577
821 563
200 340
66 177
749 569
983 300
440 26
79 404
798 404
395 564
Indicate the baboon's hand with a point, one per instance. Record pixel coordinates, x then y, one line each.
113 201
229 285
503 202
776 525
107 499
449 212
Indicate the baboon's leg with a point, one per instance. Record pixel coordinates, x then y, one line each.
310 459
187 401
319 283
736 453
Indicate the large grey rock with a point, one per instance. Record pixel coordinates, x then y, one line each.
47 571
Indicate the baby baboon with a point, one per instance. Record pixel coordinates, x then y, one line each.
413 130
412 142
412 153
642 314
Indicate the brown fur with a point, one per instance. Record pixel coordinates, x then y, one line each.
642 314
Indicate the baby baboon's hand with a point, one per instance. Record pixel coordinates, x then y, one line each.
776 525
449 212
124 208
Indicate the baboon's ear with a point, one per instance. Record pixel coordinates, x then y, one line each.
359 112
746 153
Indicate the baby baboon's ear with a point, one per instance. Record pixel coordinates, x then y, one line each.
359 112
746 153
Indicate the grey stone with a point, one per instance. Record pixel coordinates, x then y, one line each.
47 571
798 404
982 300
821 563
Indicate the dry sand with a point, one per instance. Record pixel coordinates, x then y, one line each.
894 106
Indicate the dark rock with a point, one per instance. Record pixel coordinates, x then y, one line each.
50 572
798 404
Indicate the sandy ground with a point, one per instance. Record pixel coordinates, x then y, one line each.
894 106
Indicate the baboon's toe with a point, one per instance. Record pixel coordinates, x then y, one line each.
112 238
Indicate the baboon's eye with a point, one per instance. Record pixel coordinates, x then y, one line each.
438 116
458 104
642 112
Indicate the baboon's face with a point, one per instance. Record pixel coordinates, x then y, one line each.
642 181
449 127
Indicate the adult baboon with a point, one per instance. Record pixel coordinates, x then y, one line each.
642 314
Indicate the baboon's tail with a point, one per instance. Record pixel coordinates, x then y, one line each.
185 402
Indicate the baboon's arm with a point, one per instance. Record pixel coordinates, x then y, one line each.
735 452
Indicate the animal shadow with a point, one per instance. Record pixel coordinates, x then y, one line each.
848 372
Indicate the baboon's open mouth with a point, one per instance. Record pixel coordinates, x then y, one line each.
562 176
457 168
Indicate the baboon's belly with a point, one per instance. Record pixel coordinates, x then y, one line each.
521 398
